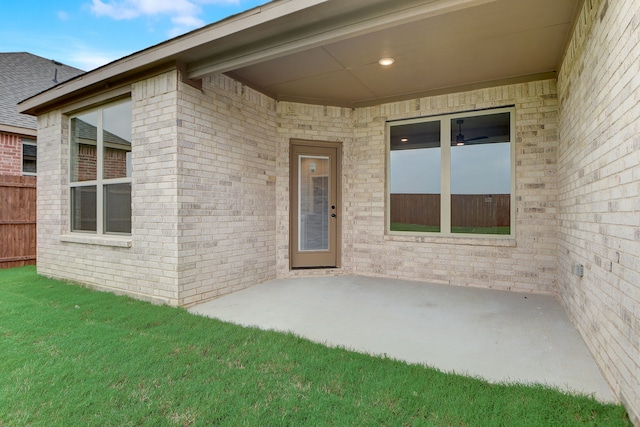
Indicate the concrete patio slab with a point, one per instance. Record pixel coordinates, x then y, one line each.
499 336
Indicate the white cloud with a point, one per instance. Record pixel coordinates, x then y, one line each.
88 58
63 16
183 13
187 21
91 60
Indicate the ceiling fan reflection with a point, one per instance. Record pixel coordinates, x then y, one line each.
460 140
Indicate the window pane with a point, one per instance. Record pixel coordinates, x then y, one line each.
481 174
117 207
29 153
83 208
83 147
313 200
415 177
116 134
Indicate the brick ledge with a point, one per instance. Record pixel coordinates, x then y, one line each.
119 242
450 240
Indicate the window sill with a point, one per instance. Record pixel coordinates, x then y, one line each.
118 242
508 242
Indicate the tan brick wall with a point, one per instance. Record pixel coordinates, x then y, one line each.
599 189
51 193
317 123
203 209
226 189
527 264
203 196
148 269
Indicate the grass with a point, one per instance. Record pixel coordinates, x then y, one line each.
400 226
72 356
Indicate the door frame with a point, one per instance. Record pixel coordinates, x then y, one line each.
338 198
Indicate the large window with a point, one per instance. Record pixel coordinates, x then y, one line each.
100 170
452 175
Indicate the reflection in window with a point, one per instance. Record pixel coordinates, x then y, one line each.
29 155
84 141
481 174
83 208
414 163
116 137
117 208
100 169
468 165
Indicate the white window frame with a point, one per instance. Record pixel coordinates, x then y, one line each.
100 182
32 142
445 174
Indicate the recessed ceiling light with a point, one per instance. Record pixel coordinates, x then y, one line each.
404 140
386 61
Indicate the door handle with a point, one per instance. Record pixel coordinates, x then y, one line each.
333 215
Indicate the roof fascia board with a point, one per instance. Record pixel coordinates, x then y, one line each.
18 130
108 95
169 50
93 92
341 31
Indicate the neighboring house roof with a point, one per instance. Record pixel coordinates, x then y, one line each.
88 132
23 75
327 51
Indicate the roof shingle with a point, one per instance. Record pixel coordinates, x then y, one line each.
23 75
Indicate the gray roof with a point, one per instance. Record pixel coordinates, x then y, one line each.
23 75
84 130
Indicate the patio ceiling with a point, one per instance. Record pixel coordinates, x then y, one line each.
438 47
327 51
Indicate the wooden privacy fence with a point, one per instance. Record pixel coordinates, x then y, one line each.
467 210
17 221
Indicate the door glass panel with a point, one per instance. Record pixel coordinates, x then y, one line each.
313 203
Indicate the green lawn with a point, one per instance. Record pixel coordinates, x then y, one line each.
400 226
70 356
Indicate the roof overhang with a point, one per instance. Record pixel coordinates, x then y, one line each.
326 51
17 130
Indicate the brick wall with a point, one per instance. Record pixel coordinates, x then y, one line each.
146 262
528 264
50 195
210 169
308 122
115 163
10 154
599 189
87 162
226 189
203 196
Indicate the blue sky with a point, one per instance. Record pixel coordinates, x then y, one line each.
89 33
